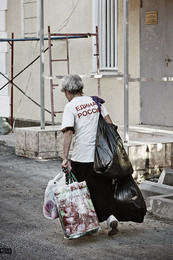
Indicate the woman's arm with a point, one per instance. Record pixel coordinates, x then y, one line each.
66 148
108 119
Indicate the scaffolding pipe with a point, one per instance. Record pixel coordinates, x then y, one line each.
42 63
12 65
98 63
68 67
126 72
46 38
51 80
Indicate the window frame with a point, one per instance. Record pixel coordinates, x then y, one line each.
108 34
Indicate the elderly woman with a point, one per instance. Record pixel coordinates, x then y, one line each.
80 118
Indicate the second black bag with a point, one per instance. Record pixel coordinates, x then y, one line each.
129 200
110 158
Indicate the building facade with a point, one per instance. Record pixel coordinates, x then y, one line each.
149 56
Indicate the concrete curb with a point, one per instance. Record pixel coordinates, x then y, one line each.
149 188
159 196
161 206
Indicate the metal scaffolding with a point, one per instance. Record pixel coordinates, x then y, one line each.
42 51
67 36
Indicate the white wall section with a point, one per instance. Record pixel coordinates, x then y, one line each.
4 98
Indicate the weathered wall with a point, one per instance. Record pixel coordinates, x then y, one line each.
59 17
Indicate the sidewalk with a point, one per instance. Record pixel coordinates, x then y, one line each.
152 192
8 139
30 235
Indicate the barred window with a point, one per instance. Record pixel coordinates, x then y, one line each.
106 20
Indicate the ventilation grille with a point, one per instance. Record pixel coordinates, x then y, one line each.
107 20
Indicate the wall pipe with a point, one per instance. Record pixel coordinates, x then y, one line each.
42 63
126 73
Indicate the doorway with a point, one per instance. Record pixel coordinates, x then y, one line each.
156 62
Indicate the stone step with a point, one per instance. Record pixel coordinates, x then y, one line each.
150 151
161 206
166 177
148 133
159 195
149 188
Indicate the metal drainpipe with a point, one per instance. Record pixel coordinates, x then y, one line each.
42 63
126 72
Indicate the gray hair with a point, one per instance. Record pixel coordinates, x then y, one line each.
72 84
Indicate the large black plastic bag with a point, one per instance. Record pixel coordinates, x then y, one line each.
110 158
129 200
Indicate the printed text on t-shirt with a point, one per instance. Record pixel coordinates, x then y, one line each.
88 111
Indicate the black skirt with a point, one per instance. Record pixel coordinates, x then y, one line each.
100 187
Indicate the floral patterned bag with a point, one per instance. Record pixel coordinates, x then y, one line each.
76 210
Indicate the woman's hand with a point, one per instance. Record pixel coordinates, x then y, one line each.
66 166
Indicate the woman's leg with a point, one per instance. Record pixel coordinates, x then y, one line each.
101 189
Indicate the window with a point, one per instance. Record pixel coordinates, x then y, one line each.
105 17
29 18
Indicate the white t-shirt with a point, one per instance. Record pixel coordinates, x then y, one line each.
82 113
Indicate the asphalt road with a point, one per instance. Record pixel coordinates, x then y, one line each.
26 234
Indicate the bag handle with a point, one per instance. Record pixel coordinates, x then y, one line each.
58 176
71 178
